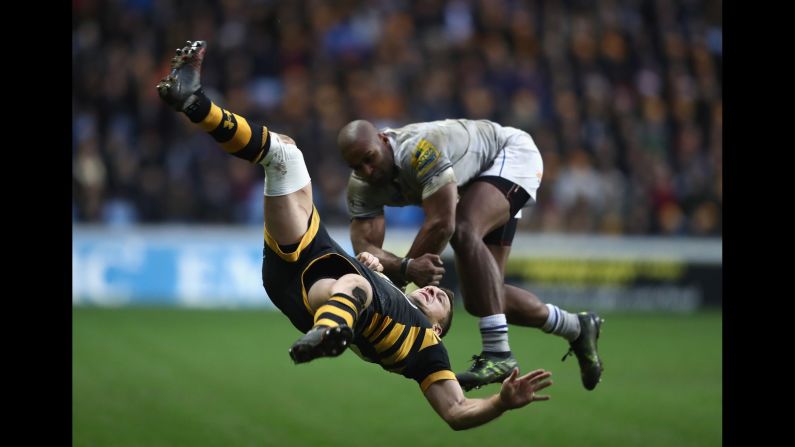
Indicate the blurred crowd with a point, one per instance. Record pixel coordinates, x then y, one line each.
622 97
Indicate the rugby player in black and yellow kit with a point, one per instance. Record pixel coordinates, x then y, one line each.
339 301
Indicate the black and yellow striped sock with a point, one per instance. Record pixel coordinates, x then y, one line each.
339 309
231 131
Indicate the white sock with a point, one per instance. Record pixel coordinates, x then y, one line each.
560 322
494 332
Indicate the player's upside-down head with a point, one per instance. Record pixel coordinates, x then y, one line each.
437 304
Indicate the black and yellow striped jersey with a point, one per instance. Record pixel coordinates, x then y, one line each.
391 332
394 333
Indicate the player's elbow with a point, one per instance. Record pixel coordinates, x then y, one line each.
443 228
455 423
456 426
447 230
453 419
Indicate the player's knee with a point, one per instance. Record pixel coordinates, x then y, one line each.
285 169
355 286
463 235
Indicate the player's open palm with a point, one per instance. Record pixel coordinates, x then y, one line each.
518 391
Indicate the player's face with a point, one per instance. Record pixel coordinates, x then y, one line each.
432 301
371 161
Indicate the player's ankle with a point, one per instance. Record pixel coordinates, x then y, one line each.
197 106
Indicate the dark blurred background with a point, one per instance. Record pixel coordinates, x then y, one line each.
623 98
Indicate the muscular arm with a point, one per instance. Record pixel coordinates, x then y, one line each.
460 413
439 222
368 235
447 398
426 268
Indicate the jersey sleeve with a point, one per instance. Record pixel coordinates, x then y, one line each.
361 203
437 181
430 365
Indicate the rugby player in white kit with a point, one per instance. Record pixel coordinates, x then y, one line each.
472 179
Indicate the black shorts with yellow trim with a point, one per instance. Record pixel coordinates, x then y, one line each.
289 272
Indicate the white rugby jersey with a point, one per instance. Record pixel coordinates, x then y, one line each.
428 156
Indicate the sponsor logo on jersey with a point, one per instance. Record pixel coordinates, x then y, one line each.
424 157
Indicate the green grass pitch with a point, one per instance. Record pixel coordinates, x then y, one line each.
168 377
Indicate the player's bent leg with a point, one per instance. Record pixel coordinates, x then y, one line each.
522 307
356 287
182 90
288 194
335 317
350 284
481 209
286 217
288 191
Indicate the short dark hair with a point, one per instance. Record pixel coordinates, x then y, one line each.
447 321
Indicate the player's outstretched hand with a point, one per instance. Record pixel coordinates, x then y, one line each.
516 392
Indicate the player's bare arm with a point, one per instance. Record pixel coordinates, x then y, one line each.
448 400
439 223
367 235
426 266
